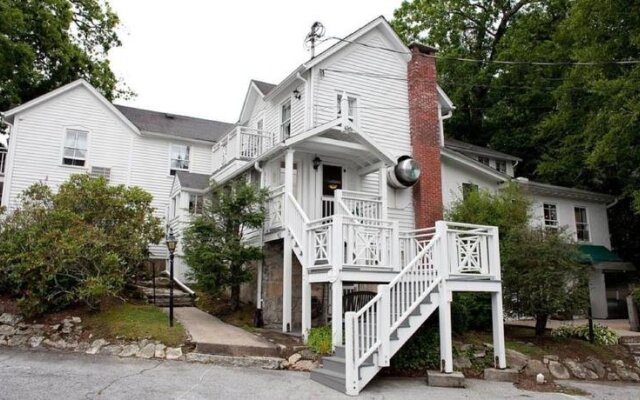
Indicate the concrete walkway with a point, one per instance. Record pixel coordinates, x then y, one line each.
620 326
213 336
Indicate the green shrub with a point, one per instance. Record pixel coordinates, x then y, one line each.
471 311
635 293
77 245
320 339
422 351
602 334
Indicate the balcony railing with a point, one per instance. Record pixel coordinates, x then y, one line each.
242 143
3 160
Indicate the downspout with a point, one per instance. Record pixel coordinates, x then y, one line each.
442 119
257 167
307 93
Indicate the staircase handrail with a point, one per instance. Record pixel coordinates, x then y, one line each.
297 225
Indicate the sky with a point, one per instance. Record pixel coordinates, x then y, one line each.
196 57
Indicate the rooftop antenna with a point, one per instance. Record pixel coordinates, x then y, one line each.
317 32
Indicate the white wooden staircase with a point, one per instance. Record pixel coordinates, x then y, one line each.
422 268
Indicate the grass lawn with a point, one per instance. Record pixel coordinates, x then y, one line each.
135 322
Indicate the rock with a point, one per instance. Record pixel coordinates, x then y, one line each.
612 377
55 327
488 346
57 344
82 347
9 319
15 341
550 357
129 350
7 330
143 343
627 375
595 365
294 358
3 341
535 367
515 359
308 354
76 320
231 361
284 364
174 353
66 330
558 370
35 341
617 363
96 345
578 370
479 354
466 347
304 365
111 350
159 351
147 351
501 375
462 362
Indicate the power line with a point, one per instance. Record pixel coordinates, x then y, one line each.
500 62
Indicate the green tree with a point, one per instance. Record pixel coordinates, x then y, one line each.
213 245
77 245
48 43
541 272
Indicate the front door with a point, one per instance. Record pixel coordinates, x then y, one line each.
332 180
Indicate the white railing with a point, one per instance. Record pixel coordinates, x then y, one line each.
320 239
359 204
413 241
242 143
328 206
473 250
3 161
275 209
369 242
297 220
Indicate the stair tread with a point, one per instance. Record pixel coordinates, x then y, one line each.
329 373
341 360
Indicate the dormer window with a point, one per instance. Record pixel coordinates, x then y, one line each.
75 148
352 107
179 158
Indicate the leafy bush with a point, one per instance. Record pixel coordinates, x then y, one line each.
602 334
320 339
77 245
471 311
635 294
422 351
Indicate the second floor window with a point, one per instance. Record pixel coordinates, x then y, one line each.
582 224
196 202
179 158
501 166
484 160
285 125
352 106
75 148
550 216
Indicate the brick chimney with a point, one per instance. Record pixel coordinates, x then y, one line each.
425 135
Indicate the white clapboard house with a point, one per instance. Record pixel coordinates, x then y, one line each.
351 147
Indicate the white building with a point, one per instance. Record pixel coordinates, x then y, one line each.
351 146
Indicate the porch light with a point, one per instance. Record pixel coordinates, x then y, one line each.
316 163
172 242
296 94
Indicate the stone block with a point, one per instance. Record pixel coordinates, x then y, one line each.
441 379
501 375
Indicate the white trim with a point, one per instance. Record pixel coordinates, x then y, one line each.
78 128
173 137
171 157
63 89
469 162
588 223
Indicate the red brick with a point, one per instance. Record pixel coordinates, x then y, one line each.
425 135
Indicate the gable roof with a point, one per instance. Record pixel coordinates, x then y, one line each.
179 126
464 159
66 88
545 189
190 180
463 147
264 87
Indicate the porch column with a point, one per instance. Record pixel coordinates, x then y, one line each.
288 251
336 313
383 191
497 316
446 344
306 304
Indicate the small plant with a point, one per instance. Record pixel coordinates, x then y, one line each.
602 334
635 294
320 339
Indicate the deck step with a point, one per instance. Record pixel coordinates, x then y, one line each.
329 378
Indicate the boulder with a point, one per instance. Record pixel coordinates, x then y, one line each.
159 351
578 370
147 351
612 377
129 350
515 359
111 350
596 366
462 362
303 365
55 344
294 358
479 354
35 341
550 357
82 347
174 353
7 330
10 319
627 375
535 367
18 340
558 370
308 354
96 345
76 320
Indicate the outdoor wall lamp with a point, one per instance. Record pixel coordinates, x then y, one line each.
296 94
172 243
316 163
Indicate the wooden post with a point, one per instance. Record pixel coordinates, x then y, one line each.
384 325
497 317
446 342
336 313
288 251
306 304
351 372
383 192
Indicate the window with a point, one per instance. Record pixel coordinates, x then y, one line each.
260 126
179 158
196 202
173 210
467 189
352 106
285 125
582 224
501 166
75 148
550 216
484 160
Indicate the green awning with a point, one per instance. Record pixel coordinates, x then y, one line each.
603 259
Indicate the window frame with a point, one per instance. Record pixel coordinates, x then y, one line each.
353 117
198 196
288 121
172 170
585 224
501 162
548 223
67 130
482 158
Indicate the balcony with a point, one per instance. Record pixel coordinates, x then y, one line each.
242 144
